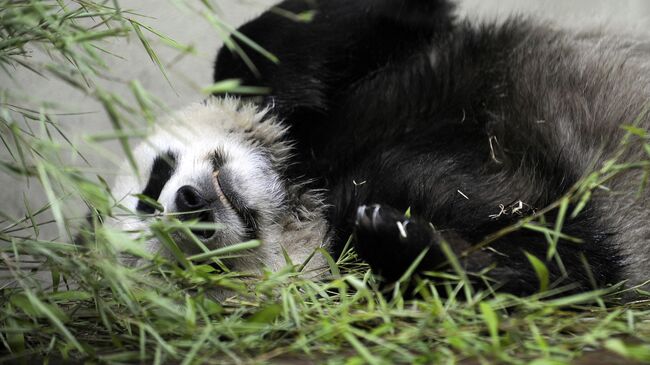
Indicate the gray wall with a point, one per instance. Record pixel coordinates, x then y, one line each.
630 14
190 73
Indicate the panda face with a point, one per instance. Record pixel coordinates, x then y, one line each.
220 163
213 178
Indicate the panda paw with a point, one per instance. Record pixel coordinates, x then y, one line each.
390 242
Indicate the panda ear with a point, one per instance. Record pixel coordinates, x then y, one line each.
279 152
266 132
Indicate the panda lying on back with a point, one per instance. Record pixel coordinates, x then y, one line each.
395 105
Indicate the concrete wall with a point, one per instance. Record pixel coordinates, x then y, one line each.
189 74
630 14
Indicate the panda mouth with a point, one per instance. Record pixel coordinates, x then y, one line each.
205 217
201 222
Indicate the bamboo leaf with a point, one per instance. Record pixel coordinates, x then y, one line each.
152 54
492 321
234 86
223 251
540 270
267 314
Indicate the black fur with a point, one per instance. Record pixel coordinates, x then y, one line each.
161 171
396 103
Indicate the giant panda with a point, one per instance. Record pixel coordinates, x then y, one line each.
421 135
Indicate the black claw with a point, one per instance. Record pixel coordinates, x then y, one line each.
363 219
388 241
377 217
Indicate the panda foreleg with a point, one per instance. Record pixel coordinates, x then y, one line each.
390 243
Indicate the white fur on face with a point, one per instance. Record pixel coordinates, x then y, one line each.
251 155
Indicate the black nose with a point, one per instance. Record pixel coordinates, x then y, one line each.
189 200
193 205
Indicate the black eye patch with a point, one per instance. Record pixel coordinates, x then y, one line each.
248 215
161 171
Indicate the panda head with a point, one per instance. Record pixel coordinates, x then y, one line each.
222 162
